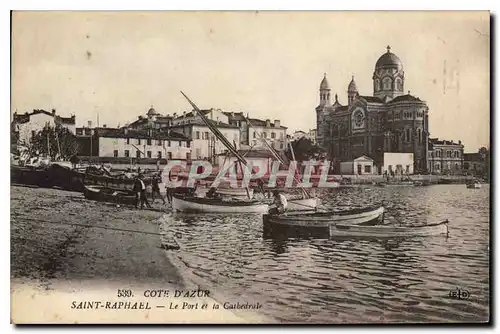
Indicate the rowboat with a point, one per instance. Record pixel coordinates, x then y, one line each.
302 204
474 185
385 231
216 205
103 194
235 192
317 224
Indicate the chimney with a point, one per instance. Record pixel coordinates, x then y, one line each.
268 123
104 125
459 142
53 111
276 123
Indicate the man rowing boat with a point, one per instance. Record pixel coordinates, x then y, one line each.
279 204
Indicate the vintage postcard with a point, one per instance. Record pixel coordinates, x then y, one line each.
187 167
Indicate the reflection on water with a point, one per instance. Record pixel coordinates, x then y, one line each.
334 281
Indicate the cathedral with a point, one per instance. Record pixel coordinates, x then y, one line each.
388 121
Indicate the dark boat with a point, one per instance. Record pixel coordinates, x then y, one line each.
103 194
54 175
317 224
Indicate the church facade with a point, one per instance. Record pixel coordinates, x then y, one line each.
387 121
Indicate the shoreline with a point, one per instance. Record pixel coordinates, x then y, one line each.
54 265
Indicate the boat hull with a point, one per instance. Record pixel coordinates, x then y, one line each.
318 224
474 186
381 231
235 192
101 194
204 205
305 204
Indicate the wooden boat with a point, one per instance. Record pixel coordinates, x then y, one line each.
317 224
103 194
385 231
302 204
216 205
235 192
474 185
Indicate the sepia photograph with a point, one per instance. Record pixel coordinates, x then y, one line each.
250 167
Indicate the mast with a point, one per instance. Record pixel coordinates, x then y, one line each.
219 136
276 155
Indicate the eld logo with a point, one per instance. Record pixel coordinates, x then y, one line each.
459 294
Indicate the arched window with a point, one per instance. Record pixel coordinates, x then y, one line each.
419 134
387 82
377 84
408 135
399 84
438 154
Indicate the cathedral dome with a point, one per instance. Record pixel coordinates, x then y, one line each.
352 88
324 83
389 60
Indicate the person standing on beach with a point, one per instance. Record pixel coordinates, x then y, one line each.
156 188
170 190
140 190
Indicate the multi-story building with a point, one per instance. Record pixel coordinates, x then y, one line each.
445 156
387 121
28 124
152 120
204 144
252 129
475 164
124 144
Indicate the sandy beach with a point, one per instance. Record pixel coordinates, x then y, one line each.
55 261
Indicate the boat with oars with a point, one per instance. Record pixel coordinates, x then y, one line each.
355 222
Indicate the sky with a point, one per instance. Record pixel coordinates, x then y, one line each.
116 65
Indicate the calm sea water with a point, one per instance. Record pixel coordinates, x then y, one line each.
361 281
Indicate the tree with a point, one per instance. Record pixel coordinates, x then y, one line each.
55 141
304 149
485 158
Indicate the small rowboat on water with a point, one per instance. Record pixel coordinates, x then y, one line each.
317 224
302 204
385 231
216 205
474 185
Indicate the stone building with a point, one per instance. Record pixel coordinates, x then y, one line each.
28 124
386 121
445 156
152 120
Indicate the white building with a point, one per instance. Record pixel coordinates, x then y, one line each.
215 115
124 144
274 133
28 124
204 145
398 164
362 165
260 160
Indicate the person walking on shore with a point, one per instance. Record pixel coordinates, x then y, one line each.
170 190
155 185
140 190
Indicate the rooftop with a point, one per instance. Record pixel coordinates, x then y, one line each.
137 134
